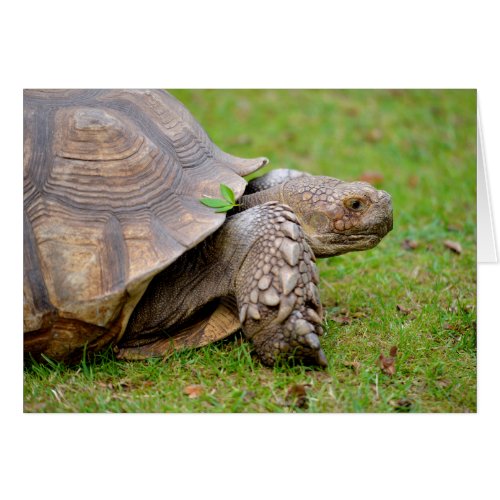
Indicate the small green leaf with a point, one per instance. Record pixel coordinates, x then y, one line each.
224 209
228 194
213 202
224 205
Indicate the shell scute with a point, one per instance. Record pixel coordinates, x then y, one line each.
112 182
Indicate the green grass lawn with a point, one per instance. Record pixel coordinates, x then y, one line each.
411 291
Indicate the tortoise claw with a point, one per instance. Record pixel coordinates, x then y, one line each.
322 361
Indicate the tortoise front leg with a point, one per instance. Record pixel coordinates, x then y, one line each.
278 301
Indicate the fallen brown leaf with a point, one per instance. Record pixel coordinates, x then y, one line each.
443 383
409 244
388 364
397 92
403 309
193 391
375 178
413 181
297 395
374 135
454 246
352 111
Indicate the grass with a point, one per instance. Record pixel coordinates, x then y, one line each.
418 145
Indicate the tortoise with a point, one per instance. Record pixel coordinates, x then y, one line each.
119 251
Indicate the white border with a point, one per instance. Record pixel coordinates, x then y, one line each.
258 44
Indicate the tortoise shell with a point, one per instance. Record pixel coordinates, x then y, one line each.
112 180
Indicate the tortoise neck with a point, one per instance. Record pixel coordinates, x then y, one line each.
251 200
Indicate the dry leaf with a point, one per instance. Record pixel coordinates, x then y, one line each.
388 364
409 244
297 395
374 135
193 391
402 309
443 383
413 181
454 246
375 178
352 111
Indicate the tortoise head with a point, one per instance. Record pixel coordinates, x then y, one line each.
339 217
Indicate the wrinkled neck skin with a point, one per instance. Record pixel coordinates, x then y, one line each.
272 194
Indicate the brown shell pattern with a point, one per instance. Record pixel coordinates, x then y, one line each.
112 180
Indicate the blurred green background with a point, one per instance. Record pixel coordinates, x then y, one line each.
410 136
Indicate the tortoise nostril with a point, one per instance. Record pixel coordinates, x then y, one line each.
385 201
384 195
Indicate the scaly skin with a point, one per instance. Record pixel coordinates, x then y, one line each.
263 256
337 217
278 301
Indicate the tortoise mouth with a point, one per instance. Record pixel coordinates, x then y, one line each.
329 245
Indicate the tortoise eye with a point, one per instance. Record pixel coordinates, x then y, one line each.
355 204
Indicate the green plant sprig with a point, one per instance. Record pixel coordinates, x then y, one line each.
221 205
